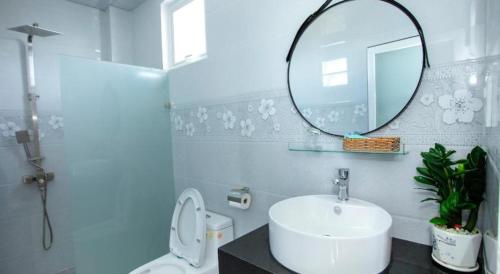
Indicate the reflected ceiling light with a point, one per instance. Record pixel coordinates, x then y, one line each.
149 74
333 44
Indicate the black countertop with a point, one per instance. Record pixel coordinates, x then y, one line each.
251 254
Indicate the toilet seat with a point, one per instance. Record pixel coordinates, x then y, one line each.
188 230
162 268
171 264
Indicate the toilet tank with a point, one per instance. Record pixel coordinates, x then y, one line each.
219 231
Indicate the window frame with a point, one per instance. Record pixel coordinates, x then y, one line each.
168 9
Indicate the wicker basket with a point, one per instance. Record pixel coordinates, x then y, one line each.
378 144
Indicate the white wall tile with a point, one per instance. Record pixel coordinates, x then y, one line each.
20 211
247 45
147 34
121 23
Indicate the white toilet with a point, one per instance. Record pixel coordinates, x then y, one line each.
195 236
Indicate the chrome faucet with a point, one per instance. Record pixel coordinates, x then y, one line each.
343 182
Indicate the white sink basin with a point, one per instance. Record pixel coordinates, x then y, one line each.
320 234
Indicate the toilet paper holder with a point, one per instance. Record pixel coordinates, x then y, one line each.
239 198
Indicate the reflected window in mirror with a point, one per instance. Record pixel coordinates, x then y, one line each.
335 72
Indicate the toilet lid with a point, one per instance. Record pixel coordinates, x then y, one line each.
188 231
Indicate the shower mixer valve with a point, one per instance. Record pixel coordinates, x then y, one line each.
41 178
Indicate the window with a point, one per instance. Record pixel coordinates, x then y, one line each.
185 31
334 72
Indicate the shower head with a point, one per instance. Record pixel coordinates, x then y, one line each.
34 30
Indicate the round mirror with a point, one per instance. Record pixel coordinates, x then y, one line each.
356 65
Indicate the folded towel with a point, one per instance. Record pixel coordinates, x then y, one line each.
354 135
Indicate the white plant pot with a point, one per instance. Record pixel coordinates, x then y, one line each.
455 251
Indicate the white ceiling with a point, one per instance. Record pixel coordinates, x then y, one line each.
103 4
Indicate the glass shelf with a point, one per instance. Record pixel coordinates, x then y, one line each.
336 149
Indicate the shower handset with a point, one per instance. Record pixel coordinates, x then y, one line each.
23 138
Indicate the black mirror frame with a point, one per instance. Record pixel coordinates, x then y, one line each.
324 8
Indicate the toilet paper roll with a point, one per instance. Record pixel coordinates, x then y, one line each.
239 198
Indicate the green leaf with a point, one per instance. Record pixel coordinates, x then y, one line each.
438 221
430 199
425 180
449 209
449 153
436 170
424 171
431 157
461 161
472 221
475 177
440 147
427 189
477 155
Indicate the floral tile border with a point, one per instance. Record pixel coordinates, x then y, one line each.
269 115
51 127
446 109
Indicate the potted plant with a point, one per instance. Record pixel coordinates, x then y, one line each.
458 187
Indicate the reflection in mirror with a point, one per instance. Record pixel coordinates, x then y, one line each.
356 67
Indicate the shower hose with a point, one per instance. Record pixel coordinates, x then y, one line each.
47 243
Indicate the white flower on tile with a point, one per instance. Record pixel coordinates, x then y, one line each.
427 99
178 123
229 119
190 129
202 114
56 122
334 116
9 129
459 107
314 132
394 125
360 110
307 113
320 122
250 108
247 127
267 108
276 127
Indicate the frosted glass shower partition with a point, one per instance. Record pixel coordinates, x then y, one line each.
117 139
